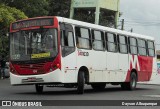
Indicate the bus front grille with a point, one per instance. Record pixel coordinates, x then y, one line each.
32 66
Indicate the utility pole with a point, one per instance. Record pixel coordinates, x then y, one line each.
72 9
122 25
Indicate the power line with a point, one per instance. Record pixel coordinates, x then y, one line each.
144 20
142 23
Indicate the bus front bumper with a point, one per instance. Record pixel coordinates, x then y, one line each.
52 77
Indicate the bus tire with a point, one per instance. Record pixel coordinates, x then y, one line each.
81 82
132 84
124 86
39 88
98 86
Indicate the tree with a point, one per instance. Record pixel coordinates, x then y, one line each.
85 14
32 8
7 16
106 17
62 8
59 8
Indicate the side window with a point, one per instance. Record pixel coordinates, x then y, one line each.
62 38
133 45
70 39
142 47
151 48
111 42
98 40
123 48
67 39
83 38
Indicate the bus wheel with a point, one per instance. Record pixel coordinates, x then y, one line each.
132 84
81 82
98 86
39 88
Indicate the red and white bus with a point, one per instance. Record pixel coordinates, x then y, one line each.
56 51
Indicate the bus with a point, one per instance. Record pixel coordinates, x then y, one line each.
60 52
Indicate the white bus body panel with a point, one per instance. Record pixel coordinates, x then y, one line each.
112 66
69 68
95 62
103 66
123 66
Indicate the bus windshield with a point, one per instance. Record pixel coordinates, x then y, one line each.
33 44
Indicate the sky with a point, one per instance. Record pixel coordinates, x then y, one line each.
143 16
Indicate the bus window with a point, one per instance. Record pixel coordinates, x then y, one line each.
142 47
62 38
122 44
133 45
67 39
28 42
70 39
83 38
111 42
151 49
15 44
98 40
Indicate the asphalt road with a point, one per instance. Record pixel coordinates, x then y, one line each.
143 92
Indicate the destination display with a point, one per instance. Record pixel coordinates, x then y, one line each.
32 23
40 55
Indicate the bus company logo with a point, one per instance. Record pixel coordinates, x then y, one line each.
81 53
6 103
134 62
34 71
31 66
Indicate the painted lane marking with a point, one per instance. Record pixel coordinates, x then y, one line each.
155 96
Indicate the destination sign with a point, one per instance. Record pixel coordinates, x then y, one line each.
41 55
32 23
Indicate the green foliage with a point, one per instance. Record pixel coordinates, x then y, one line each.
107 18
86 15
59 8
7 16
32 8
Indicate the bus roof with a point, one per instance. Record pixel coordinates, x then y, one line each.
95 26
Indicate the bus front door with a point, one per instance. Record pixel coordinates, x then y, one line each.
69 61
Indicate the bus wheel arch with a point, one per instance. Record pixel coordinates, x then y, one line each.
134 71
131 84
82 78
86 73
